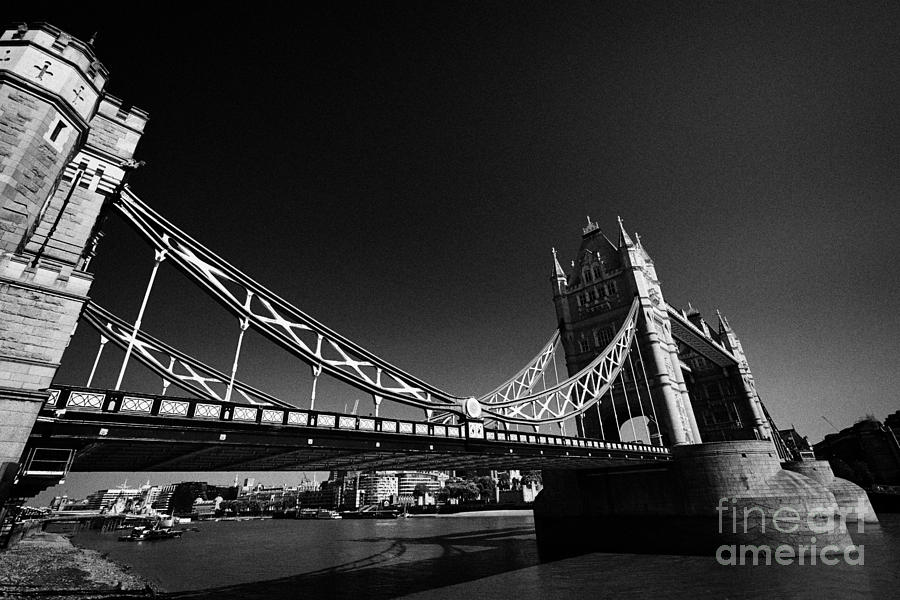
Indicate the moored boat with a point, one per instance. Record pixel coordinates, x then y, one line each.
142 534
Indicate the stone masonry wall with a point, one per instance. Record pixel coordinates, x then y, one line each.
34 330
18 419
29 163
70 233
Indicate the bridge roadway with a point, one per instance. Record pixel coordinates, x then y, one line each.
119 431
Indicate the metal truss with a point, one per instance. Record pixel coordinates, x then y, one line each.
520 384
174 366
295 331
576 394
523 382
513 402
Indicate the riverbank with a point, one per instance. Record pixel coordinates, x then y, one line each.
47 565
507 512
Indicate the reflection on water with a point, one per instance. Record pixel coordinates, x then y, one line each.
493 557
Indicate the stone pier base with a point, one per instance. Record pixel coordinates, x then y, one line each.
710 495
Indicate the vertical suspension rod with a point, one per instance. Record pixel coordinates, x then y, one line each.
637 390
600 420
317 370
103 341
561 424
612 398
650 395
166 382
159 256
244 324
628 406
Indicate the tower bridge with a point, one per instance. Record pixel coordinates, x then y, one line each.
626 380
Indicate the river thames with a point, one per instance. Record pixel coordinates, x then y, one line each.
463 557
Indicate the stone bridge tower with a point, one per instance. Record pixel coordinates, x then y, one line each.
64 148
592 301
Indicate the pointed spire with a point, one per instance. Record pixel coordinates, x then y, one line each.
724 327
557 268
624 238
693 315
559 276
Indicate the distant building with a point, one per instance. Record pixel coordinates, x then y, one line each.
320 498
179 498
407 482
866 453
204 509
522 493
892 422
114 500
797 444
376 488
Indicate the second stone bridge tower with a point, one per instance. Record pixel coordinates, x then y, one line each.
698 376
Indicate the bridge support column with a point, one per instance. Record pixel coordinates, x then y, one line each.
55 178
674 421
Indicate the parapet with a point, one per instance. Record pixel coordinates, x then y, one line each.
45 57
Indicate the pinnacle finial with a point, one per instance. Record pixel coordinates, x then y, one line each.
93 38
557 268
624 238
723 322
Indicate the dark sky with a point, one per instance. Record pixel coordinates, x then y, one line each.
401 172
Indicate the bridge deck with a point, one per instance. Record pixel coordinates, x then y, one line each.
116 431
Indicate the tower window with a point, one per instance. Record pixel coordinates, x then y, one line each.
603 336
58 133
57 130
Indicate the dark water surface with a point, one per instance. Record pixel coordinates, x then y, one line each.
465 557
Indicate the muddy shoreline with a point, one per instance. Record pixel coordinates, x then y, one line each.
48 565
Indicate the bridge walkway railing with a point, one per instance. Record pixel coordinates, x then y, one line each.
62 399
